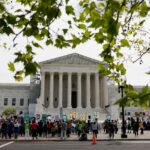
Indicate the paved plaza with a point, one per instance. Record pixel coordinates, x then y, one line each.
101 137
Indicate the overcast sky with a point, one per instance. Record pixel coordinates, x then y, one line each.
135 72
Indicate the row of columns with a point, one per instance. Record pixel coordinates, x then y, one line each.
103 89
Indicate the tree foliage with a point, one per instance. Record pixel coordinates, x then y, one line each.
9 111
31 19
116 25
134 97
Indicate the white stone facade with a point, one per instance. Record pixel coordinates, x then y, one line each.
70 85
17 92
73 83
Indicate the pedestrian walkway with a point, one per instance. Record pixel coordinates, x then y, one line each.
100 136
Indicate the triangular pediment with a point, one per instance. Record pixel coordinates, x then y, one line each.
72 59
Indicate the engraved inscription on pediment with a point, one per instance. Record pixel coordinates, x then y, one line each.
74 60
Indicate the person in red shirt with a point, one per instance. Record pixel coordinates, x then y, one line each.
34 129
49 126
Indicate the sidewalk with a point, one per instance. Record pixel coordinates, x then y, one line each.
100 137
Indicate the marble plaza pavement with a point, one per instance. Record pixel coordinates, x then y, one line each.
100 137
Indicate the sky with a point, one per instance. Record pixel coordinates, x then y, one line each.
135 72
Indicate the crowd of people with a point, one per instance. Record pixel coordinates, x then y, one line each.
16 126
13 127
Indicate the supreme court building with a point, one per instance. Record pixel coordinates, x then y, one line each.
69 86
72 83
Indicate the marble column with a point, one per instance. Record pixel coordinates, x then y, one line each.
69 89
43 88
51 96
97 91
79 105
105 92
60 89
88 92
101 92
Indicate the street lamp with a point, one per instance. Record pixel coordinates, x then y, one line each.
123 135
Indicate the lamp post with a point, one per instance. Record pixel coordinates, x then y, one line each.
123 135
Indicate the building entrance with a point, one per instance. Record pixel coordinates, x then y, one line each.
74 99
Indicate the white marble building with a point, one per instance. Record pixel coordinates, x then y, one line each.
16 96
70 85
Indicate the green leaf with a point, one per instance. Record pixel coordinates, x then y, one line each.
19 73
45 32
101 66
92 5
99 37
96 23
65 31
105 46
37 45
82 26
18 78
29 48
31 68
87 33
27 32
2 8
11 67
122 69
48 42
70 10
148 72
125 43
142 22
67 1
11 19
144 10
8 30
39 37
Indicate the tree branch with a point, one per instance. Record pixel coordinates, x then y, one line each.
148 49
20 32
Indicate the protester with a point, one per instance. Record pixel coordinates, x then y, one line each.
34 129
95 128
63 130
4 129
141 126
111 129
10 128
16 129
27 128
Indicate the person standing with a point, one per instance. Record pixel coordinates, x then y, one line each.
16 129
129 125
136 128
26 128
111 129
79 128
10 127
95 128
49 126
34 128
4 129
68 129
40 128
63 130
141 125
